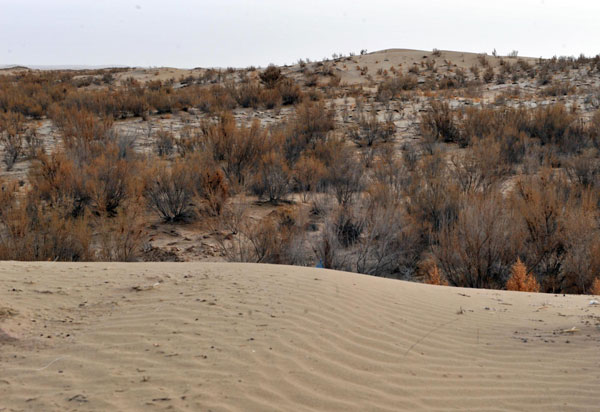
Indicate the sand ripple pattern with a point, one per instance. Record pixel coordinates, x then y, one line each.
240 337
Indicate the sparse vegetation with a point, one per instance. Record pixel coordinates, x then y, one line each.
446 170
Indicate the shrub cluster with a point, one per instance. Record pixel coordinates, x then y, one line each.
485 186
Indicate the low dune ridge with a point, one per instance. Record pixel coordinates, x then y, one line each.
239 337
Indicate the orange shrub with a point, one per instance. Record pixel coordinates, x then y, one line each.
520 280
109 182
55 180
83 133
33 231
595 290
237 149
210 185
307 173
434 277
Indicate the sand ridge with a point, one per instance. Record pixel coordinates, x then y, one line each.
238 337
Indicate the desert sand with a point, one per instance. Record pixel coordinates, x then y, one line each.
348 67
241 337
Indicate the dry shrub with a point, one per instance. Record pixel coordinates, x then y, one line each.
191 140
270 76
80 124
488 74
55 180
595 290
99 185
165 142
451 82
394 212
388 245
372 238
33 231
594 129
348 226
272 180
435 277
582 242
345 175
481 167
289 91
162 100
312 78
215 99
248 95
12 131
476 250
313 120
479 123
28 94
439 123
540 205
52 237
370 130
558 88
434 199
187 187
210 186
514 145
307 174
334 81
339 232
170 191
277 238
311 124
390 174
560 232
121 238
237 149
124 142
110 181
83 134
551 124
391 88
584 169
260 241
270 98
520 279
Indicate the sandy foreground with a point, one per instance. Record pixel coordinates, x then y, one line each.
240 337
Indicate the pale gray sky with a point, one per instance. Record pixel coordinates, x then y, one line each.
186 33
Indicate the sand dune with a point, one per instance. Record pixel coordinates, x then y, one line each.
346 67
238 337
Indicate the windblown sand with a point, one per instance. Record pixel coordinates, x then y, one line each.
240 337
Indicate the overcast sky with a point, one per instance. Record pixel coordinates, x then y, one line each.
240 33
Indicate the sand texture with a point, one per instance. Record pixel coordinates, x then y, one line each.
240 337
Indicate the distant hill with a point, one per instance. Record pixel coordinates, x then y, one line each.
61 66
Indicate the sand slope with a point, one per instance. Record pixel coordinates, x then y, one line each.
238 337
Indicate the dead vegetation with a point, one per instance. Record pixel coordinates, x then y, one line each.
430 171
